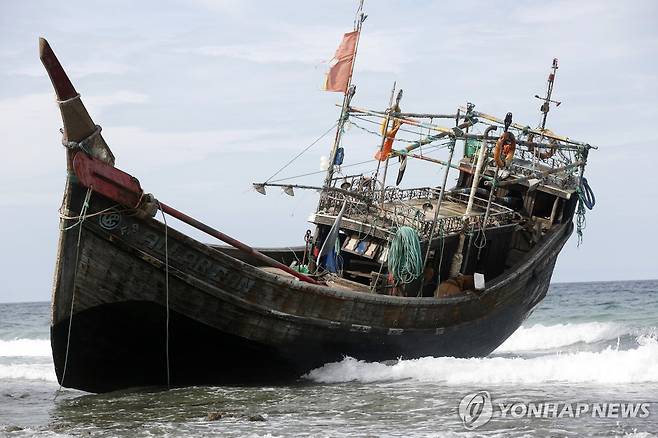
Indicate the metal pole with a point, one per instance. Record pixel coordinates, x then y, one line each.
438 204
457 258
478 169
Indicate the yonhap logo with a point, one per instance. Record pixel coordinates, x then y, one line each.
475 409
478 408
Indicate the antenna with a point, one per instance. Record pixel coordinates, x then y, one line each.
546 105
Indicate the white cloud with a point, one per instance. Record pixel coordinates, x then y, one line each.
379 51
76 69
117 98
561 11
140 148
30 126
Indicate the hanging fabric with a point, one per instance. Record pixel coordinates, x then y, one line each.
331 246
338 76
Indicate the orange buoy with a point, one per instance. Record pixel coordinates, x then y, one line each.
504 150
386 149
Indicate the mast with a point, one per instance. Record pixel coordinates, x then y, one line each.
546 106
347 97
385 134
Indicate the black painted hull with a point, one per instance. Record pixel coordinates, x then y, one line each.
231 323
105 356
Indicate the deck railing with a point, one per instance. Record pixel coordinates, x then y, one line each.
366 206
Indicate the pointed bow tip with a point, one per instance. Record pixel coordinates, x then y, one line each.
43 46
61 82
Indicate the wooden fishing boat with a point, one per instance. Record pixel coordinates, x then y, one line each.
389 273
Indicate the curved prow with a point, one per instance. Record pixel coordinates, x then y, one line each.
80 131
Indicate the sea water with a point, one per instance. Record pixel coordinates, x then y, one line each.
592 346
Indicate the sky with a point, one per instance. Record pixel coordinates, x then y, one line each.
200 98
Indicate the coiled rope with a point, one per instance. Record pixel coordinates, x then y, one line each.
405 261
586 194
585 199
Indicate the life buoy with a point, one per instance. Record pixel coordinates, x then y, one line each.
504 150
386 149
547 153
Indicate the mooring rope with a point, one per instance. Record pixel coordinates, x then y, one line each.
164 219
83 212
87 216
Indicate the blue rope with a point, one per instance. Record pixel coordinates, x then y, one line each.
586 194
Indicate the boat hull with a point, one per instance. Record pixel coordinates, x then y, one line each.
106 356
232 323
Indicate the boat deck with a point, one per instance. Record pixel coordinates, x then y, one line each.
380 219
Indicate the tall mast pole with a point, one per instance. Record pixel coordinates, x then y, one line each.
546 106
384 135
347 97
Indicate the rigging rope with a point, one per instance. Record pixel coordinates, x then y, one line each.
580 221
405 261
433 148
303 151
379 134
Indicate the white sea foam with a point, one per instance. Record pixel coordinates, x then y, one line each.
544 337
32 371
606 366
25 347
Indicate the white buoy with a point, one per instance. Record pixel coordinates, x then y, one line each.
324 163
478 279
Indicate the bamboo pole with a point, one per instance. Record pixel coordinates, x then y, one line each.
347 97
533 131
403 115
387 120
405 120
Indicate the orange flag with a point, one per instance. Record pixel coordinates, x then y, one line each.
341 64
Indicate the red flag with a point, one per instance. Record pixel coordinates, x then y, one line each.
341 64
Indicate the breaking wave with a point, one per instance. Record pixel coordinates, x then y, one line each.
32 371
25 348
545 337
608 366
